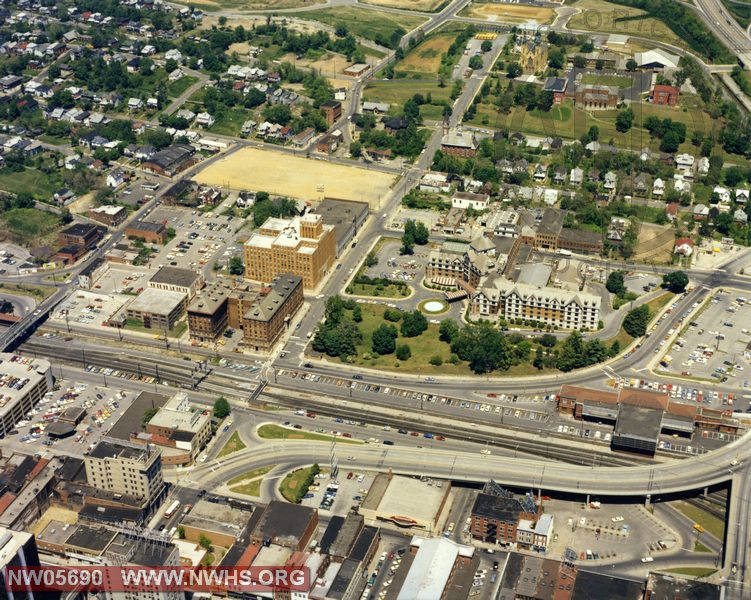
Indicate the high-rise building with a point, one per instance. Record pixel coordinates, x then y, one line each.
303 246
18 549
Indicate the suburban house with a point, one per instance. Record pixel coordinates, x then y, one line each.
576 177
723 193
204 119
658 187
741 196
684 247
701 212
116 178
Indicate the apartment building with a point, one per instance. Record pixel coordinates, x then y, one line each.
560 308
207 314
267 319
124 468
23 383
183 430
303 246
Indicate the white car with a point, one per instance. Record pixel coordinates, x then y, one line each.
203 458
647 559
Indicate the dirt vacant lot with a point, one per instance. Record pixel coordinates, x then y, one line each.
253 4
510 13
295 177
426 57
419 5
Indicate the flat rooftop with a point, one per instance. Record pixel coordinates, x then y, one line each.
282 521
18 374
639 422
175 276
156 302
112 449
405 497
130 422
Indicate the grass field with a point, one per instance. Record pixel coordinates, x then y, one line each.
249 483
230 121
509 13
275 432
292 482
604 17
693 571
398 91
418 5
711 524
368 289
234 443
175 88
28 224
40 185
370 24
295 177
425 58
39 292
569 122
612 80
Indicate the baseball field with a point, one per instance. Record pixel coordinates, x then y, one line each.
510 13
295 177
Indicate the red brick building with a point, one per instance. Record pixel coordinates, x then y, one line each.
332 110
664 95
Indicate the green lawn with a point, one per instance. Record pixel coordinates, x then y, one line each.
699 547
368 289
711 524
275 432
175 88
292 482
40 292
612 80
177 331
29 224
40 185
397 91
370 24
249 483
693 571
234 444
569 122
230 121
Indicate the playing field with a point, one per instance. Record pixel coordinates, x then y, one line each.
510 13
419 5
295 177
604 17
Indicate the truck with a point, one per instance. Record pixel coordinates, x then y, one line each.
171 509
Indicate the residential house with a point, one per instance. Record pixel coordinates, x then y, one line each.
702 167
685 163
116 178
722 193
540 173
671 210
658 187
684 246
559 175
616 230
135 104
204 119
611 180
741 196
641 184
701 212
248 127
576 177
680 184
740 216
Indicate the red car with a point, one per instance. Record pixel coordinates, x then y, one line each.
440 438
350 475
414 433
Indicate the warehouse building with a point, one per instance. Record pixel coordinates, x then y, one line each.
174 279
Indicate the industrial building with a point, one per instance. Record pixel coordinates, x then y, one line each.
174 279
157 309
347 217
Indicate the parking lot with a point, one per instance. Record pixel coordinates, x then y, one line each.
102 405
337 496
201 239
95 307
714 346
391 265
12 257
139 191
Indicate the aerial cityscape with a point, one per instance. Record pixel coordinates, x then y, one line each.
375 299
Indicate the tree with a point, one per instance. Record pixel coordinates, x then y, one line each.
631 65
484 347
181 532
357 314
615 284
538 362
403 352
393 314
341 30
371 260
624 120
636 321
476 63
486 46
676 281
513 70
413 324
384 339
548 340
148 414
236 266
670 142
448 330
221 408
436 360
545 101
580 62
205 543
556 59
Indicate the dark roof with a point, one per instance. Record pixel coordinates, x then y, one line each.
673 587
110 514
71 469
594 586
580 235
131 421
58 429
331 104
330 534
172 155
343 579
231 559
638 421
364 542
110 449
552 222
555 84
72 413
282 521
139 550
495 507
174 276
93 539
147 226
265 309
353 523
80 229
92 266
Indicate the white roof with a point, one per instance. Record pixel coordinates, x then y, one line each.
657 56
430 570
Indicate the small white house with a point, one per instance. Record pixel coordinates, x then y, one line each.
115 178
135 104
469 200
723 193
577 176
204 119
658 187
611 180
741 196
703 166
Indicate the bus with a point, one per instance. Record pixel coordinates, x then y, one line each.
171 510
